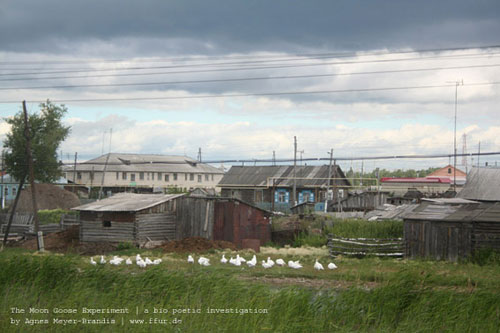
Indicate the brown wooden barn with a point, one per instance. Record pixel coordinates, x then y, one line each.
140 217
451 229
129 217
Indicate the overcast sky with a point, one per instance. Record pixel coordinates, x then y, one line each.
240 79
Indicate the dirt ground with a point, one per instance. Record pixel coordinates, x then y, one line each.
67 241
311 283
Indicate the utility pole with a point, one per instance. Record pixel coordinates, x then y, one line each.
294 170
29 158
457 83
74 172
199 154
301 152
478 154
2 194
328 181
274 158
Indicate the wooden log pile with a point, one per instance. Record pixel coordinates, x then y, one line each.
360 247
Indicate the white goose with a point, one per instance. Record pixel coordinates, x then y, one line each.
270 261
141 263
190 259
280 262
204 261
103 261
223 260
128 261
157 261
332 266
92 261
294 264
265 264
240 259
253 262
318 266
148 261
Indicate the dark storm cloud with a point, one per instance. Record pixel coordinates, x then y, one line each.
246 26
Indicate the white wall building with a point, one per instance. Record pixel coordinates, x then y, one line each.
144 171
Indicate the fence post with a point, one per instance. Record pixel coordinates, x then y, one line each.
61 222
40 241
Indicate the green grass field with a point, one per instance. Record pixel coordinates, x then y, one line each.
367 294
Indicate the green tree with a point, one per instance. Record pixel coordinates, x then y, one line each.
46 134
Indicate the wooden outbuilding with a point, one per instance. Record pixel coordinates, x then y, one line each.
129 217
451 229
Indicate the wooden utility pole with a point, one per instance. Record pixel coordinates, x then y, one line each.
74 173
328 181
294 170
29 158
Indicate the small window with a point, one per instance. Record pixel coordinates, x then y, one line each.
199 178
117 175
132 177
167 178
175 176
206 178
79 175
449 170
141 175
191 176
212 177
14 191
159 175
185 176
124 175
106 224
6 191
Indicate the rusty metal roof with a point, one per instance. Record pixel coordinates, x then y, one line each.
127 202
263 176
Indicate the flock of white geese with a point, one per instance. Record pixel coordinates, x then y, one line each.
237 261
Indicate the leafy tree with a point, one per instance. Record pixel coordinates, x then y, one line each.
46 134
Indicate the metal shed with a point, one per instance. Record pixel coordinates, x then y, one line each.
129 217
451 229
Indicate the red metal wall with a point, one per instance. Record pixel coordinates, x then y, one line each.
235 221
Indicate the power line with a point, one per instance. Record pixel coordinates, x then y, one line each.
253 94
249 78
470 56
337 55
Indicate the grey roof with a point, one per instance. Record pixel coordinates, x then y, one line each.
478 212
145 162
127 202
262 176
482 184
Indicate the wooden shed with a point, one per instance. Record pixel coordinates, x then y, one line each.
227 219
451 229
129 217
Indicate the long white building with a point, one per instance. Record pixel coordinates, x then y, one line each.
144 171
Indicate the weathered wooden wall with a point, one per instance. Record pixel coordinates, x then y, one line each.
438 240
195 217
486 235
95 231
155 227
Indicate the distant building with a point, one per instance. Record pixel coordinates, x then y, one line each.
8 189
271 187
451 173
427 186
146 172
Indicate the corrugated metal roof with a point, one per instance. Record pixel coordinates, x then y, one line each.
424 180
469 212
482 184
127 202
262 176
118 162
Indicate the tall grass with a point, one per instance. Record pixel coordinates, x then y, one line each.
402 304
355 228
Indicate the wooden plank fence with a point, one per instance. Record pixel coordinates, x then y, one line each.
360 247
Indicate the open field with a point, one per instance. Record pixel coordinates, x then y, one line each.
362 294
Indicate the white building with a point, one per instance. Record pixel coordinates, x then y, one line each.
144 171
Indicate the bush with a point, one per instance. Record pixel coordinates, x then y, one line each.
53 216
307 239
